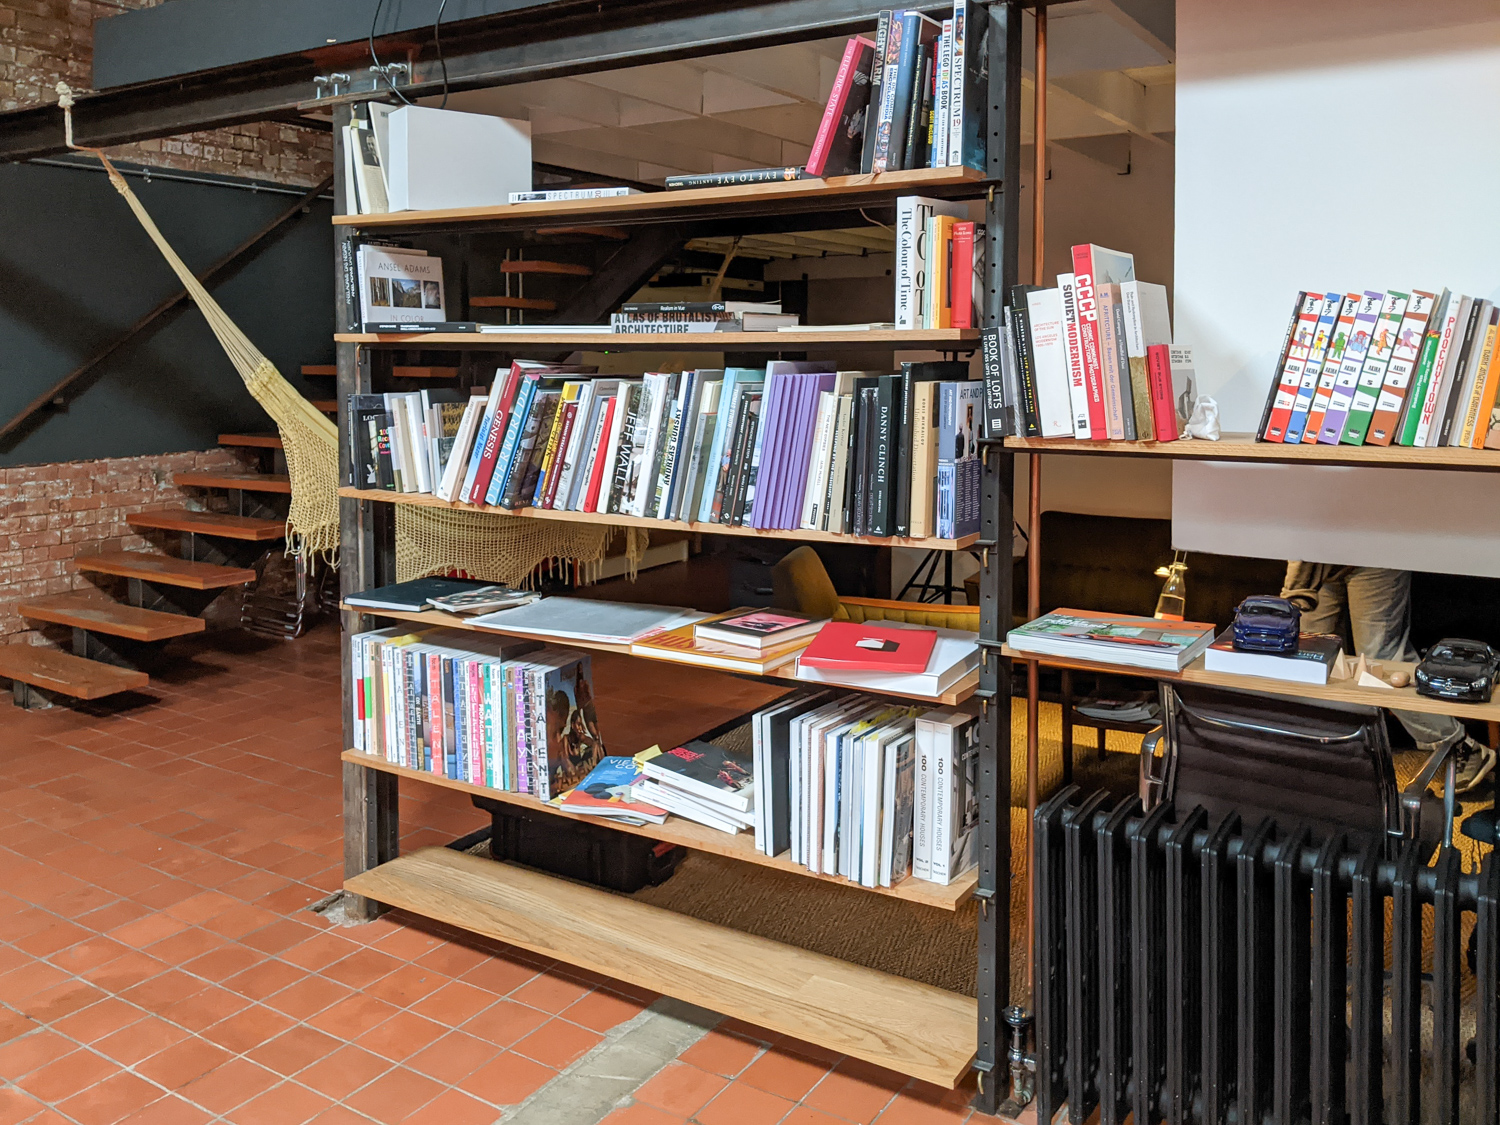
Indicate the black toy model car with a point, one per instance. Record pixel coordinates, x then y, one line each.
1266 624
1458 669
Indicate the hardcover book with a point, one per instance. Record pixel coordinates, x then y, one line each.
1372 374
1312 370
1334 358
713 773
869 647
1113 638
1347 379
839 146
758 629
1315 657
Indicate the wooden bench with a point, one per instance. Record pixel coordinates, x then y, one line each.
30 666
251 441
890 1021
210 523
165 570
85 611
245 482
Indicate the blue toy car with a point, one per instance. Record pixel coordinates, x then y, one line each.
1266 624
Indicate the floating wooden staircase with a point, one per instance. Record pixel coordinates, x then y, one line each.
34 671
235 482
164 570
245 528
88 611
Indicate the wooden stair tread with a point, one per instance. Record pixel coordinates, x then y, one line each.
613 234
564 269
222 524
165 570
51 670
537 303
908 1027
320 369
401 372
326 405
247 482
252 441
85 611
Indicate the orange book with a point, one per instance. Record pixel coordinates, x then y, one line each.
1484 425
682 646
940 272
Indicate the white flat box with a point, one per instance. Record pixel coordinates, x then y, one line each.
441 158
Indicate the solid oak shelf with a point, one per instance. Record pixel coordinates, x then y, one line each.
931 339
427 500
889 1021
1243 447
1340 691
740 200
688 834
964 689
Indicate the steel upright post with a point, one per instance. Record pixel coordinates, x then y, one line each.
1002 223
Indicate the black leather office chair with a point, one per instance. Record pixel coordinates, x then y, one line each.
1325 765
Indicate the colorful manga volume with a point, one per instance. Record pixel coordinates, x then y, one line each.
1347 379
1327 323
1372 375
1343 328
1292 366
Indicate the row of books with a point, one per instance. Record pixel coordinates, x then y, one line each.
939 272
1169 646
701 316
796 445
1094 355
867 789
1387 368
502 713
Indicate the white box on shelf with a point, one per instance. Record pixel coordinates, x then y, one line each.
441 158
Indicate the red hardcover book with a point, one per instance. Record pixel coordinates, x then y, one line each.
962 296
1088 340
591 498
1292 366
846 115
495 436
847 646
1159 377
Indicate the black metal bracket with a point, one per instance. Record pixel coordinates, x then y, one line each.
29 698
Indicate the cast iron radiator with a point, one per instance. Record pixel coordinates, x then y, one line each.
1227 974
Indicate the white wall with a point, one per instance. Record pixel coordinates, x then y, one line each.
1351 144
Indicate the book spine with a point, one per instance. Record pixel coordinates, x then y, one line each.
913 154
516 489
1134 330
1159 373
1116 401
941 796
1412 411
884 470
1312 370
996 408
886 140
552 482
864 460
1347 380
1454 377
838 467
1085 300
628 419
1293 363
1488 393
834 112
750 446
1448 333
911 215
1398 374
919 473
727 449
673 327
599 463
962 298
734 179
1020 316
1332 361
818 462
941 107
1078 388
901 451
1286 343
548 454
877 75
1372 374
921 852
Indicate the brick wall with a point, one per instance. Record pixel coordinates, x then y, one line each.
42 41
49 514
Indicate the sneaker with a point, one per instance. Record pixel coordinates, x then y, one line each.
1474 761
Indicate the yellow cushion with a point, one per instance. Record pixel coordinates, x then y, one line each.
799 582
933 616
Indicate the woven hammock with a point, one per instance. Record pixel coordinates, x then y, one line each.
495 548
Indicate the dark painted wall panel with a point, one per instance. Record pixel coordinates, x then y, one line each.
191 35
76 270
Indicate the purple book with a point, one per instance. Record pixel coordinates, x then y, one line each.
772 412
1347 379
792 449
782 435
807 422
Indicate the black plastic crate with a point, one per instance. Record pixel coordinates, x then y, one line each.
576 849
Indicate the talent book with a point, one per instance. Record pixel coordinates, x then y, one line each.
839 145
1312 371
758 629
708 772
681 646
585 619
606 792
482 599
1113 638
557 195
1315 657
870 647
1472 407
736 179
414 595
1421 403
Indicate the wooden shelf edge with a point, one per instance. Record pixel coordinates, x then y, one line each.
646 203
686 833
927 339
427 500
1242 448
890 1021
960 692
1401 699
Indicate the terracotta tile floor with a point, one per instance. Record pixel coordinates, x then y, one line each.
158 963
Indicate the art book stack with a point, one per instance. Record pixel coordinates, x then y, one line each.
1387 367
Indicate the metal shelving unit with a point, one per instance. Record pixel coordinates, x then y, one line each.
932 1041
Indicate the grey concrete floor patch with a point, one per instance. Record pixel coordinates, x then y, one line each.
587 1091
